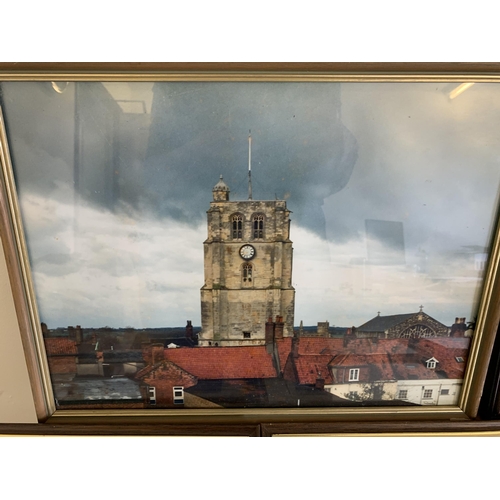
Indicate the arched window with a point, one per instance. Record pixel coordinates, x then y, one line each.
247 272
258 226
237 226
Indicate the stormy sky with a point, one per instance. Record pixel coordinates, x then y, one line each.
393 189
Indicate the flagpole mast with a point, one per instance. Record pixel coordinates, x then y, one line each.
249 164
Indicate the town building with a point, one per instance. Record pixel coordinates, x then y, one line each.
412 325
248 270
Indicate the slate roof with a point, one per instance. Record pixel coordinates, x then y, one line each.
116 356
85 390
267 393
224 362
383 323
60 347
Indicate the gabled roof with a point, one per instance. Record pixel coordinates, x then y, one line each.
224 362
383 323
167 370
379 365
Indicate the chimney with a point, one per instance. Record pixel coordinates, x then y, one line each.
157 353
278 328
189 330
322 330
78 335
269 331
295 347
320 382
146 352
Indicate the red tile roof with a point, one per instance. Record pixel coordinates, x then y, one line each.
380 365
319 345
224 362
312 367
60 347
284 347
388 359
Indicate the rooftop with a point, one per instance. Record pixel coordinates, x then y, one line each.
213 363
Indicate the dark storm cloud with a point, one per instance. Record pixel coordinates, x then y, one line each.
301 151
168 162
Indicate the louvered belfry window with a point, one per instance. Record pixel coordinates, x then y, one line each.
237 221
258 226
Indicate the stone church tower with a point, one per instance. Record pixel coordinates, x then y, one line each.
248 270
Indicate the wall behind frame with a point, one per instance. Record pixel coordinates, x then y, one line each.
16 400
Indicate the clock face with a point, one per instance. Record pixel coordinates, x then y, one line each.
247 252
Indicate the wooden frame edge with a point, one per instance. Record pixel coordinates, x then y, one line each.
471 405
10 243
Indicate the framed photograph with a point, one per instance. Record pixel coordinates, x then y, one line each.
252 244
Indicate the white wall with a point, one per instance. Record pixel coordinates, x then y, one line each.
363 390
16 400
416 389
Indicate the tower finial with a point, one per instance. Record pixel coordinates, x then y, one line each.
249 164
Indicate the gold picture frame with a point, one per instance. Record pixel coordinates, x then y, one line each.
274 420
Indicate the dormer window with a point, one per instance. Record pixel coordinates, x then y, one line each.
431 363
258 226
353 374
237 226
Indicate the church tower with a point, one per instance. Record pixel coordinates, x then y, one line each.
248 270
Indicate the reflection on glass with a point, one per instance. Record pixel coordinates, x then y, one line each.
390 190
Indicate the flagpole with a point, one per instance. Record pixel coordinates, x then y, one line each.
249 164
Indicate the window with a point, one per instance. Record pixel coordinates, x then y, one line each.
178 395
427 393
237 225
353 374
246 335
258 226
403 394
431 363
445 392
152 395
247 272
459 359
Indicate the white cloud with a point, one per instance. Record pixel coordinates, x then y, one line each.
116 270
336 282
110 269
